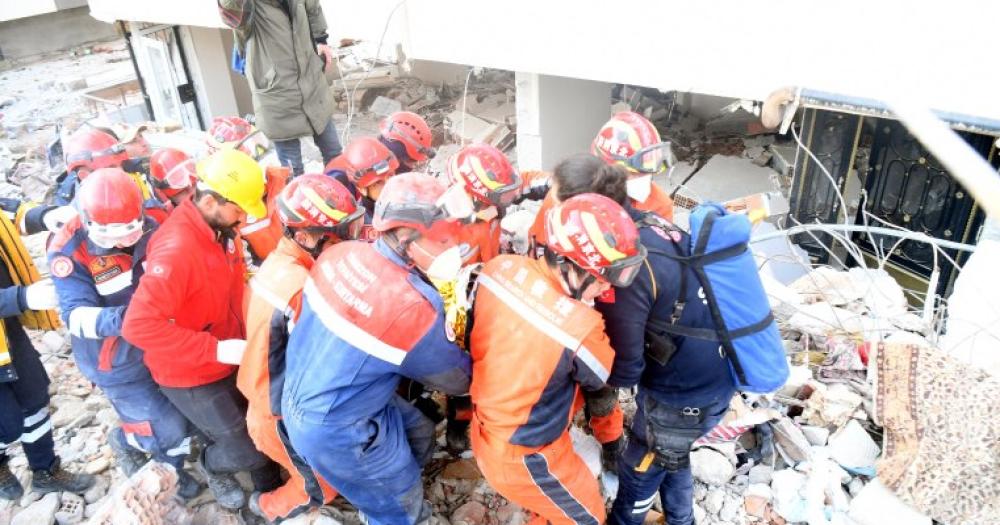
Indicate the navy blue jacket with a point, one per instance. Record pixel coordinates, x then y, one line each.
697 375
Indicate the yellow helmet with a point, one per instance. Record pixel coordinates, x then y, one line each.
237 177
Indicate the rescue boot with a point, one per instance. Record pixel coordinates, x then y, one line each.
457 436
227 491
58 479
266 478
187 486
10 487
128 459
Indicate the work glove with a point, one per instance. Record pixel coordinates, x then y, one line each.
83 321
55 218
230 351
41 295
609 454
514 229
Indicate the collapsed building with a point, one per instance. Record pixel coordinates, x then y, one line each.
847 439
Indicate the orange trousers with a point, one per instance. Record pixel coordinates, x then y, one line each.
302 481
553 482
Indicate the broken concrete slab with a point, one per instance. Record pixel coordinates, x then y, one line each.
790 441
385 106
852 448
877 505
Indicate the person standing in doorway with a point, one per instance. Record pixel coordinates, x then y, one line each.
284 44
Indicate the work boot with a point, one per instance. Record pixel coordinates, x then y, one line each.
227 491
10 487
457 436
187 486
266 478
57 479
609 454
128 459
254 505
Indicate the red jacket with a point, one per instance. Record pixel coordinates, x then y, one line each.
190 297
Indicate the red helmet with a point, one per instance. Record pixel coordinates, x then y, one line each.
412 131
485 173
230 132
596 234
412 200
629 140
90 149
172 171
110 206
370 161
320 204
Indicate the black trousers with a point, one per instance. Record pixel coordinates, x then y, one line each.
24 403
219 411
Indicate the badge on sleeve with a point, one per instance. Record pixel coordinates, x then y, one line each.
61 266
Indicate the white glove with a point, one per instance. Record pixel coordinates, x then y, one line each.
230 351
55 218
83 321
41 295
514 229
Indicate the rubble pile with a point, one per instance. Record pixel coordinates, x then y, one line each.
484 112
38 95
808 453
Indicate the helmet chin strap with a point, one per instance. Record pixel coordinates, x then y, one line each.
401 246
565 267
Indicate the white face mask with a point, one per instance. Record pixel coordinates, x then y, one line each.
446 265
639 188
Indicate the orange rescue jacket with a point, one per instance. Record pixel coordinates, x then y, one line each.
274 306
532 347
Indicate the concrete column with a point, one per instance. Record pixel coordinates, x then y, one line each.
556 117
218 89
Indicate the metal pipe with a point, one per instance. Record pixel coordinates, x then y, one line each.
904 234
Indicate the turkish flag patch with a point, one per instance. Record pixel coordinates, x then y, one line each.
61 266
608 296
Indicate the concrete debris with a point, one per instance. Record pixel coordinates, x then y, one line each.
384 106
854 449
877 505
146 498
831 405
790 441
713 465
70 509
588 448
41 512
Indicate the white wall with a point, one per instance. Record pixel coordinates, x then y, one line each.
204 13
14 9
943 54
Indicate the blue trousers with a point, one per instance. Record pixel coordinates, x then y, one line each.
375 463
671 430
24 403
150 423
290 151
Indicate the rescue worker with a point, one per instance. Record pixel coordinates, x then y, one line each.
409 138
84 151
370 317
187 316
235 132
483 175
263 234
24 384
260 233
316 211
536 342
172 174
96 262
363 168
631 141
684 382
